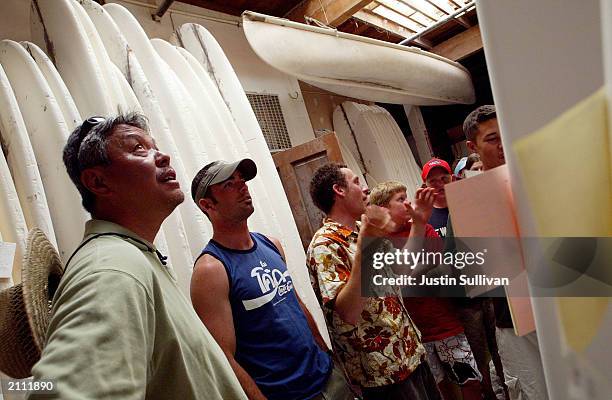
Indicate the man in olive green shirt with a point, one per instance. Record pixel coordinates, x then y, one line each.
120 328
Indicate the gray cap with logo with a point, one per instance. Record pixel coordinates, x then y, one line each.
219 171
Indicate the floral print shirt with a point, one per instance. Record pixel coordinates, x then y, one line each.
384 347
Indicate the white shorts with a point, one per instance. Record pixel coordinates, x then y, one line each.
452 358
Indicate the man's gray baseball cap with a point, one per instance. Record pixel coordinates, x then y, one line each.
219 171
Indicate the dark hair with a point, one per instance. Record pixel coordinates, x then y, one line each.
481 114
322 185
86 148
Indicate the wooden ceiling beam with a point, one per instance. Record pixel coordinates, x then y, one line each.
419 7
460 46
382 23
463 21
389 6
443 7
329 12
387 25
424 43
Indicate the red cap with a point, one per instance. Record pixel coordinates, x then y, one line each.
433 163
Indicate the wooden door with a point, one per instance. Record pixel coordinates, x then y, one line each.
296 167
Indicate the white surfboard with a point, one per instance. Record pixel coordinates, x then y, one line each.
380 143
192 85
65 41
229 137
57 85
22 162
343 130
167 91
131 103
164 85
212 132
346 130
113 87
232 139
203 46
176 230
138 97
48 133
403 166
12 224
379 149
200 43
349 160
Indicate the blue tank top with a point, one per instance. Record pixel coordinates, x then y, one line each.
274 343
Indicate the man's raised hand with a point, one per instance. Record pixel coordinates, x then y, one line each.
376 221
422 206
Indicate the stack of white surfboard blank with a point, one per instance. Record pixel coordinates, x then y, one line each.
88 60
377 144
23 202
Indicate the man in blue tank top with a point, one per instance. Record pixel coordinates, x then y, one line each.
244 294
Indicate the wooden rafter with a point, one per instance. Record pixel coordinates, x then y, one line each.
387 25
400 19
401 9
460 46
382 23
424 43
361 27
463 21
430 11
330 12
450 9
443 7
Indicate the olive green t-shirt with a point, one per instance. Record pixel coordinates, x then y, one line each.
121 329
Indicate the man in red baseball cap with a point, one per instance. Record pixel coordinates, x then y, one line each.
437 173
475 314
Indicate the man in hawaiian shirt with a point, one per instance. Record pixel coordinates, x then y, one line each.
374 337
